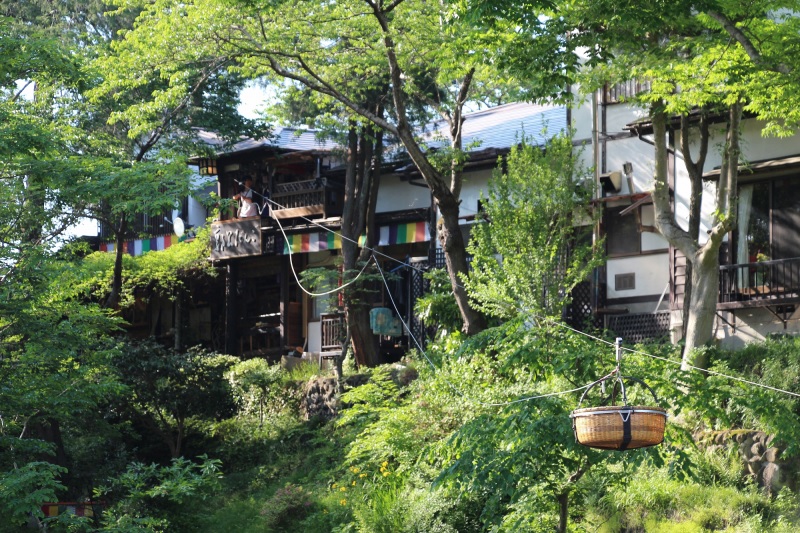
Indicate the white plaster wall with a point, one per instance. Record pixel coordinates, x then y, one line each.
753 325
618 115
582 117
474 184
652 274
397 195
636 152
651 241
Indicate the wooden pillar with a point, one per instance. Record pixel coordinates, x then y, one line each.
285 273
231 309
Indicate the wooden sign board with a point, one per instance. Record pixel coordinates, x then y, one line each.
238 238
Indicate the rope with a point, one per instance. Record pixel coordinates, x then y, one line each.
375 252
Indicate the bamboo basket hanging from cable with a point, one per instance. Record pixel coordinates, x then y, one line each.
619 427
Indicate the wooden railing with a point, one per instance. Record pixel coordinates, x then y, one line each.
759 284
332 332
298 194
303 198
615 93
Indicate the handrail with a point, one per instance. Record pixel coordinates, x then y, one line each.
775 279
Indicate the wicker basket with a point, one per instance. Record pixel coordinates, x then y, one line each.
619 427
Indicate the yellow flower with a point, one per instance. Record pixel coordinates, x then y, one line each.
342 489
354 469
354 483
343 502
386 474
334 486
385 464
362 476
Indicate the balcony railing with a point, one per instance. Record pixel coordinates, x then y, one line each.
332 332
759 284
304 198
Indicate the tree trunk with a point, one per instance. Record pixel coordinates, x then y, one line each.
704 260
455 255
695 170
359 190
362 340
563 512
119 251
702 306
178 339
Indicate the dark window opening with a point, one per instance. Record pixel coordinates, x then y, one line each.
622 233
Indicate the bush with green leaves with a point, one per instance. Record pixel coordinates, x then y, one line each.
652 498
534 243
24 489
255 383
289 503
172 392
159 498
437 308
775 363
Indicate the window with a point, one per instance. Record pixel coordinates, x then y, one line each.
622 233
768 223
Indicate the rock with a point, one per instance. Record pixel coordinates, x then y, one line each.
403 375
771 477
771 455
319 398
745 448
757 449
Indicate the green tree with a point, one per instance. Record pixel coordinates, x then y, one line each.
253 381
428 56
169 390
535 243
719 57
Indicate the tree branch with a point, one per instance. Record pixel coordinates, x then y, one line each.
728 176
749 48
665 217
438 186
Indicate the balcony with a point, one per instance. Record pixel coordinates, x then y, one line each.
763 284
332 330
307 198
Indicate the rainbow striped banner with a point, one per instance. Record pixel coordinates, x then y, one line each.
312 242
326 240
142 246
404 233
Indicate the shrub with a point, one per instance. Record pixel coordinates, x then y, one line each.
288 504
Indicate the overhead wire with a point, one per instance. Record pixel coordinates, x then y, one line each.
453 387
297 278
679 363
374 252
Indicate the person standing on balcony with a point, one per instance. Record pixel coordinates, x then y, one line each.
247 207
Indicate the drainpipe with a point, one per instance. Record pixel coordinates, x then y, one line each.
596 159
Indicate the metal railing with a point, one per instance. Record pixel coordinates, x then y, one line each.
764 281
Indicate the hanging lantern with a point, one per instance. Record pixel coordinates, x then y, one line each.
207 166
619 427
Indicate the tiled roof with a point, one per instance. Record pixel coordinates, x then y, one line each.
503 126
291 139
497 127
